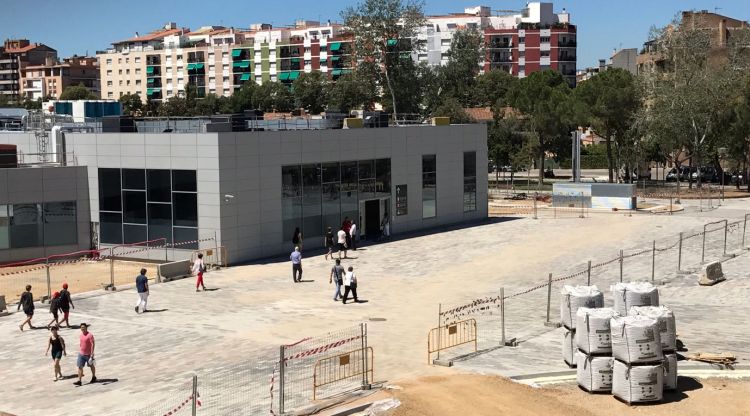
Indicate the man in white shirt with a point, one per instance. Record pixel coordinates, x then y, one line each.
353 233
350 284
342 242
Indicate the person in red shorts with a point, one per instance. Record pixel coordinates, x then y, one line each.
198 268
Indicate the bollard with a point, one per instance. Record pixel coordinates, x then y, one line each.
703 247
549 295
502 315
621 262
679 255
588 279
195 395
670 205
535 210
744 228
653 261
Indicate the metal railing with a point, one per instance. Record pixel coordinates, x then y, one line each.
340 367
451 335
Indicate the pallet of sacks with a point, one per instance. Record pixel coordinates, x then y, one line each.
573 298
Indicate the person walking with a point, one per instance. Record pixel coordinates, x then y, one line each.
350 284
347 227
337 277
385 226
329 243
66 302
341 242
86 352
297 238
57 344
199 267
141 285
27 302
353 234
296 258
54 308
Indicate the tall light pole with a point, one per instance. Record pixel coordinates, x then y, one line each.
722 154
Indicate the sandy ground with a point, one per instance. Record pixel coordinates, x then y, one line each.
479 395
83 276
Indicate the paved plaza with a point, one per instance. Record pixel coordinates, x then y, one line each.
150 357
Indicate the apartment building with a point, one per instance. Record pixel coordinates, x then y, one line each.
218 60
51 78
719 26
15 56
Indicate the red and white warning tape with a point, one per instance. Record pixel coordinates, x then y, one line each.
322 348
183 404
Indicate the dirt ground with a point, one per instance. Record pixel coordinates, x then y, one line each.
83 276
480 395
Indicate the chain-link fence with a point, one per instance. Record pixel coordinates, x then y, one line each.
275 380
515 313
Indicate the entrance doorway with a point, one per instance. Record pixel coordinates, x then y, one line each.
370 214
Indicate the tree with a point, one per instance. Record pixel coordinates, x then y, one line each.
459 75
610 102
131 104
310 92
453 109
507 142
4 101
544 100
382 32
175 107
77 92
492 87
242 99
346 93
208 105
273 96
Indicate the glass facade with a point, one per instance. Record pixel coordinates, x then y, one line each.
38 225
317 196
429 186
470 181
136 205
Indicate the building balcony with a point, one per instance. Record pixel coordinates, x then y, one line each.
568 44
567 58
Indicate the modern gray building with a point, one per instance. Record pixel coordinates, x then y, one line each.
252 189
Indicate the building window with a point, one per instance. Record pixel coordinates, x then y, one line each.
317 196
37 225
138 205
60 223
109 61
544 39
109 83
429 186
212 68
470 181
110 94
109 72
545 54
138 82
137 60
138 71
521 39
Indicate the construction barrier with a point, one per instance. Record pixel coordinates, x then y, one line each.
212 257
451 335
339 367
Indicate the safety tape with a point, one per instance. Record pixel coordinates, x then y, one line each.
322 348
183 404
57 263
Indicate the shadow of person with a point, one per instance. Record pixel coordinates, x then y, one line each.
306 281
155 310
73 327
213 289
105 381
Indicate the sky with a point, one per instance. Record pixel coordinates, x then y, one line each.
86 26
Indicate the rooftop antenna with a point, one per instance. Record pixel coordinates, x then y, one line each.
716 9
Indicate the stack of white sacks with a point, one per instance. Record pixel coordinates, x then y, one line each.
629 349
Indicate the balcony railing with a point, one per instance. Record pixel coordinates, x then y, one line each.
567 58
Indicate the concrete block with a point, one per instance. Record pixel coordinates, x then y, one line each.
441 121
711 274
353 123
173 270
3 305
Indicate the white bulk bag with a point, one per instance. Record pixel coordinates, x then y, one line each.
594 374
627 295
635 339
592 330
574 297
670 371
638 383
667 326
569 346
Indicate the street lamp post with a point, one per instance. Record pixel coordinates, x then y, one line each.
722 154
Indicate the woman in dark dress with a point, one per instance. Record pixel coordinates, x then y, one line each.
57 344
329 243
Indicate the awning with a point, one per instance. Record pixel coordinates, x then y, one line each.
392 42
190 67
150 91
241 64
295 60
245 77
151 80
284 76
335 46
149 69
236 53
199 66
294 75
335 58
336 72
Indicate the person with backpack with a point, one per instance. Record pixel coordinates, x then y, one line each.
27 302
54 308
337 276
57 343
66 302
199 267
